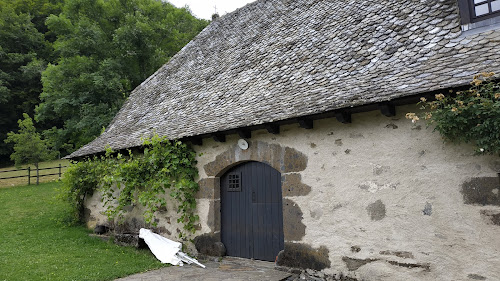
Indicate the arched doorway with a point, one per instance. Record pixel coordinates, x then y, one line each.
251 211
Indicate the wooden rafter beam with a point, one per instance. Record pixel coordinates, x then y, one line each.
306 123
273 128
244 133
343 116
196 141
387 109
219 137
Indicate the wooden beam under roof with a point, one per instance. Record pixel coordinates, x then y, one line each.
343 116
196 141
388 109
219 137
244 133
273 128
306 123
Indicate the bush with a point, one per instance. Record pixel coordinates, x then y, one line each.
138 180
79 181
470 116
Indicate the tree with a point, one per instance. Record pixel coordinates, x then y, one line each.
105 48
24 53
29 147
38 10
18 42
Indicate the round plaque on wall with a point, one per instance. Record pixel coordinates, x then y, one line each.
243 144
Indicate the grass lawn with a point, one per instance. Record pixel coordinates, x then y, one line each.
35 245
24 180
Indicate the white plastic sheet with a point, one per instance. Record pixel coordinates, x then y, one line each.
166 250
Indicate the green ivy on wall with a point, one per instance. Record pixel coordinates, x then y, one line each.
138 180
470 116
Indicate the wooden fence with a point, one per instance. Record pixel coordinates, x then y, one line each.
36 171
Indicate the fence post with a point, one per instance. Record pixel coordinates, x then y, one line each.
59 171
37 177
29 175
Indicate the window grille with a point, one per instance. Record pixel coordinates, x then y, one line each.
234 182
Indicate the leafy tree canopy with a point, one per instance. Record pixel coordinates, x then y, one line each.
106 48
24 52
37 10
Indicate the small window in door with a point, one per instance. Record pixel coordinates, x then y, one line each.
234 182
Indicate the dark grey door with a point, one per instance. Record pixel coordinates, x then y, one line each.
251 211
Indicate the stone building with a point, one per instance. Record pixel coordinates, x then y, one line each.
298 110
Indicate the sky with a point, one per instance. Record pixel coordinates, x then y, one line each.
205 8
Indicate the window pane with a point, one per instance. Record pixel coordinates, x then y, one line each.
479 1
481 9
495 6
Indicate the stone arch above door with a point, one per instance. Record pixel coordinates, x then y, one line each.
288 161
282 158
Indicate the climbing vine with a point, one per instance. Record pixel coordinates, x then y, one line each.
138 180
470 116
79 181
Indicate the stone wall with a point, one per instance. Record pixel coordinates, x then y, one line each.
133 221
378 199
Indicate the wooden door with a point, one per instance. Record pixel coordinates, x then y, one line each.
251 211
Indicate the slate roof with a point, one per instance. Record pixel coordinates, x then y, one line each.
278 59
